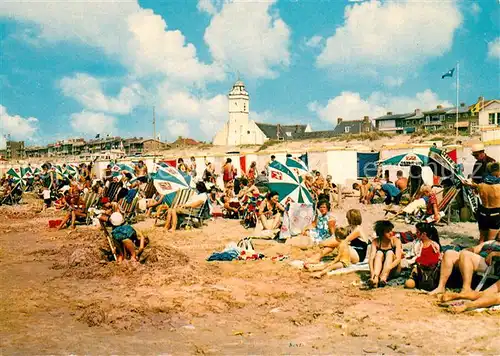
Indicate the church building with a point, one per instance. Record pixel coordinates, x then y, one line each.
240 130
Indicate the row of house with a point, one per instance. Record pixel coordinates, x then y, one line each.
78 147
482 114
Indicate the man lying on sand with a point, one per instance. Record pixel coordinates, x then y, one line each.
485 299
469 261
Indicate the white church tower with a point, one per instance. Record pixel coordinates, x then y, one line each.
239 129
239 103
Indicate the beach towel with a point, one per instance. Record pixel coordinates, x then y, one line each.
295 219
357 267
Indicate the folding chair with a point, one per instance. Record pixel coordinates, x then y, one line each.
196 216
488 274
14 197
129 209
180 198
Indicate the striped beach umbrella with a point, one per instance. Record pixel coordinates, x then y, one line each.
297 164
288 184
168 180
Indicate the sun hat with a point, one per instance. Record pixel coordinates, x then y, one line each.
116 219
477 147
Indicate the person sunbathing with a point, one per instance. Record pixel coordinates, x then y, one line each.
232 212
358 240
270 211
76 207
247 188
468 261
156 204
385 255
194 202
323 226
366 191
141 172
428 256
343 258
485 299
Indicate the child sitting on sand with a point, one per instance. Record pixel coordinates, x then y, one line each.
385 254
343 258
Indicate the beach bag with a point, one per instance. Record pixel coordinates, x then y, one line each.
246 245
250 220
427 277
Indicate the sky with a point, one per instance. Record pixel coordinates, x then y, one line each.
73 69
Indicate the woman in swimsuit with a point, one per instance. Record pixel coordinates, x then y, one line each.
357 240
386 254
270 211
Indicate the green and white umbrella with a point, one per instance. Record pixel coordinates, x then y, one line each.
406 160
16 174
72 171
288 184
297 164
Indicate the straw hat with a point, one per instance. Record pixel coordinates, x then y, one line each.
116 219
477 147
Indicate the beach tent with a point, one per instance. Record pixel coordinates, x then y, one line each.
367 164
283 180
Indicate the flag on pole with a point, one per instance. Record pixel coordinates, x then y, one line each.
448 73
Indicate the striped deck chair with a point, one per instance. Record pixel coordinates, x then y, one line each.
91 200
149 190
129 209
489 273
195 217
112 190
181 197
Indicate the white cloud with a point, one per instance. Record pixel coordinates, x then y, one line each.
122 29
207 113
315 42
87 122
351 106
88 91
393 82
475 9
494 48
211 7
19 128
176 128
249 37
383 34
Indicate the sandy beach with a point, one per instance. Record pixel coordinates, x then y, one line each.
60 296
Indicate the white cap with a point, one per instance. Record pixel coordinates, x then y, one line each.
116 219
477 147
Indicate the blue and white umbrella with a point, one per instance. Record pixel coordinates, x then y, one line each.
168 180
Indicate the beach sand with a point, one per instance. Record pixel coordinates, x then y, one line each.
60 296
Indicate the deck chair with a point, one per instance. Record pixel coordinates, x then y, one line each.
129 209
181 197
113 190
489 274
91 200
195 217
14 197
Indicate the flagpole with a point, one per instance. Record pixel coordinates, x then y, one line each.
458 86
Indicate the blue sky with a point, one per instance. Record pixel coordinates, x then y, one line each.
76 69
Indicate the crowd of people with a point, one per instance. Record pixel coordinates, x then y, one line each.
247 197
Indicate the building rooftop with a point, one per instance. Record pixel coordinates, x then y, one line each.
287 132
